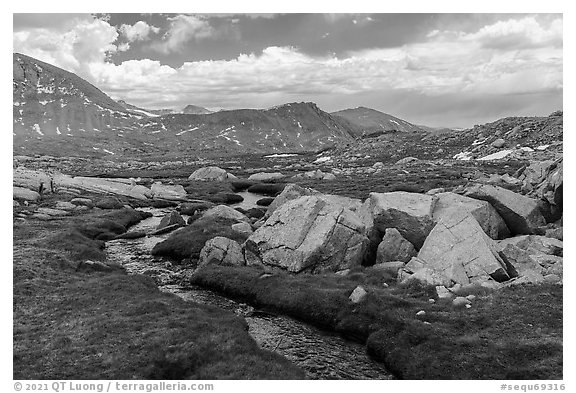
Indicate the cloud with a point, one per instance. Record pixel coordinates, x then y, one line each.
519 33
88 41
183 28
444 69
140 31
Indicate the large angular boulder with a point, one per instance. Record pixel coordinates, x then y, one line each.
521 214
459 250
523 263
309 233
25 194
293 191
409 213
166 191
450 203
394 248
211 173
221 251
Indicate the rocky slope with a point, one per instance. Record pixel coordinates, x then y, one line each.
286 128
367 122
52 105
48 101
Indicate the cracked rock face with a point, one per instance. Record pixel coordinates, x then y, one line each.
521 214
293 191
221 251
449 204
309 233
410 213
458 249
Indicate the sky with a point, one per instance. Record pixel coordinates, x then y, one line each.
449 70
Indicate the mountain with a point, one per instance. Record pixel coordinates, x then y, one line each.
58 113
368 122
146 112
286 128
195 110
50 101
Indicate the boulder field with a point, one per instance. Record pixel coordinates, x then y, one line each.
484 235
479 234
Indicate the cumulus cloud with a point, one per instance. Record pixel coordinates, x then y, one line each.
183 28
444 64
140 31
518 33
88 41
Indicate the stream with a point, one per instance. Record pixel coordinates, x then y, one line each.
321 354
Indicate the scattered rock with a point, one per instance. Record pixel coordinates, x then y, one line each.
61 205
191 208
555 233
498 143
242 227
535 244
52 212
170 192
358 294
394 248
460 302
226 197
406 160
264 201
241 185
97 266
391 267
458 249
82 202
33 180
221 251
421 313
264 176
166 229
25 194
255 213
521 214
226 212
115 186
109 203
211 173
172 218
271 189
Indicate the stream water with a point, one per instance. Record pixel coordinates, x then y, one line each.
321 354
